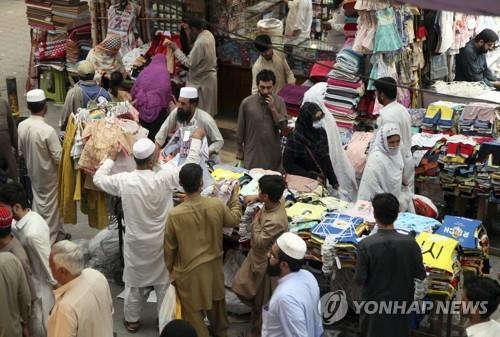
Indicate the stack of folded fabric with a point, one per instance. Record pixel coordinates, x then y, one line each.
70 14
458 171
427 148
441 116
345 88
409 222
303 218
477 119
334 227
472 238
39 13
488 168
51 51
293 95
440 257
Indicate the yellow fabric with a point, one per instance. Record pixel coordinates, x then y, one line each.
305 212
178 308
438 251
219 174
67 176
93 204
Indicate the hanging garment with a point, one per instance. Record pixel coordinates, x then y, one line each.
123 24
387 37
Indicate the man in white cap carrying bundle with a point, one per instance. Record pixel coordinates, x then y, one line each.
146 200
84 93
41 149
294 307
187 113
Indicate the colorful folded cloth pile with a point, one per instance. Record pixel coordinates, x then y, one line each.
333 228
473 241
293 95
340 251
345 88
440 257
70 13
441 116
39 14
49 51
301 212
477 119
409 222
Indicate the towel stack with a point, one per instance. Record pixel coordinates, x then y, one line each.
39 14
69 14
345 88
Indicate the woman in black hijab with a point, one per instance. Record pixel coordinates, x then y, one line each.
306 152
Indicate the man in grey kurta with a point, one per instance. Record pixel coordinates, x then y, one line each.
8 138
14 297
41 149
261 119
389 264
202 64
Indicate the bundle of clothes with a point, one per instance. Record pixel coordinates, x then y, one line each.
345 88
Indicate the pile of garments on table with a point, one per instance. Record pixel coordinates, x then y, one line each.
473 240
442 116
345 88
477 118
466 166
426 150
92 136
441 261
459 159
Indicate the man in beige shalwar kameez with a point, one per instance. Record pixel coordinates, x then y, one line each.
41 149
251 283
193 252
202 64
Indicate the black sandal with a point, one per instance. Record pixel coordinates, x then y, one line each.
132 327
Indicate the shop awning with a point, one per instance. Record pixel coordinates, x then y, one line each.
483 7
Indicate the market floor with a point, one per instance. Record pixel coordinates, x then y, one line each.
14 55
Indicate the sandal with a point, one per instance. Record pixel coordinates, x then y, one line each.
132 327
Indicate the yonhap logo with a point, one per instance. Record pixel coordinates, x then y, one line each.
333 307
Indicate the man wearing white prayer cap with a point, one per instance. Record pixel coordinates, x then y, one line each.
41 149
187 114
146 197
294 307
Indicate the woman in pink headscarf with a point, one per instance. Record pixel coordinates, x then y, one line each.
106 57
152 93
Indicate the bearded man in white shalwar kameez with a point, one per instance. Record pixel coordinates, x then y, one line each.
146 196
41 149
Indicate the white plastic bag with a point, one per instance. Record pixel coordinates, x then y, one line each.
168 307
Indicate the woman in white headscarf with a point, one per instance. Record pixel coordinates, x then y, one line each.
384 170
344 171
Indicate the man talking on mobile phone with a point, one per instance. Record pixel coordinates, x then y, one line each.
261 119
